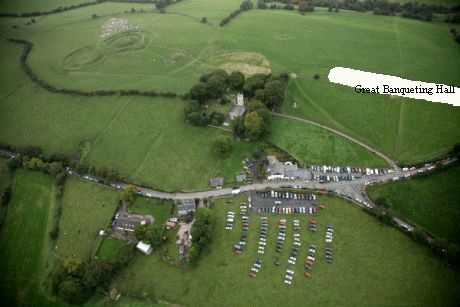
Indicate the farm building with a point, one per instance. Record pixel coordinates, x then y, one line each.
240 177
186 210
145 248
217 182
287 170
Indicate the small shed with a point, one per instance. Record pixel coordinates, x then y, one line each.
217 182
145 248
240 177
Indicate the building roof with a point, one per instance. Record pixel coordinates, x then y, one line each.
187 205
276 168
240 177
145 248
217 182
289 169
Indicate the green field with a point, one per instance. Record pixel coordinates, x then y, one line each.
27 6
159 209
162 58
432 202
86 209
373 263
109 248
23 247
314 145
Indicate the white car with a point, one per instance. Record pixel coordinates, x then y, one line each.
291 262
297 244
257 265
289 272
311 258
262 243
296 235
328 241
256 270
260 252
287 282
288 277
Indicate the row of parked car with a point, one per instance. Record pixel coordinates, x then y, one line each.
350 170
288 210
289 276
256 266
310 260
281 236
263 235
288 195
329 233
230 220
328 178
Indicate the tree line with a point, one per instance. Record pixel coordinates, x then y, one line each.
51 88
413 10
244 6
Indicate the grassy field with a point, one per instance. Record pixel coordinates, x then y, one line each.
159 209
26 6
408 130
314 145
432 203
145 139
165 59
109 248
373 263
86 209
22 240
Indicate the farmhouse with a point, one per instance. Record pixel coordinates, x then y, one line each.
186 210
287 170
145 248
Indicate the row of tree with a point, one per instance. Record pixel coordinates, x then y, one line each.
45 85
379 7
448 251
244 6
32 157
202 234
76 281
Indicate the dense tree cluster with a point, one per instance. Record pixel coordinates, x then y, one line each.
202 234
267 88
196 115
51 88
76 281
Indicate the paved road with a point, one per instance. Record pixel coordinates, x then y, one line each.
379 153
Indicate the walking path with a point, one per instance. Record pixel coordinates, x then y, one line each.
379 153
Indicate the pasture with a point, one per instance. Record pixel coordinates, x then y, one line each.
158 208
23 239
26 6
109 249
373 263
86 209
314 145
432 202
163 58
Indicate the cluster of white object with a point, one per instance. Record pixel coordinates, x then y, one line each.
114 26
